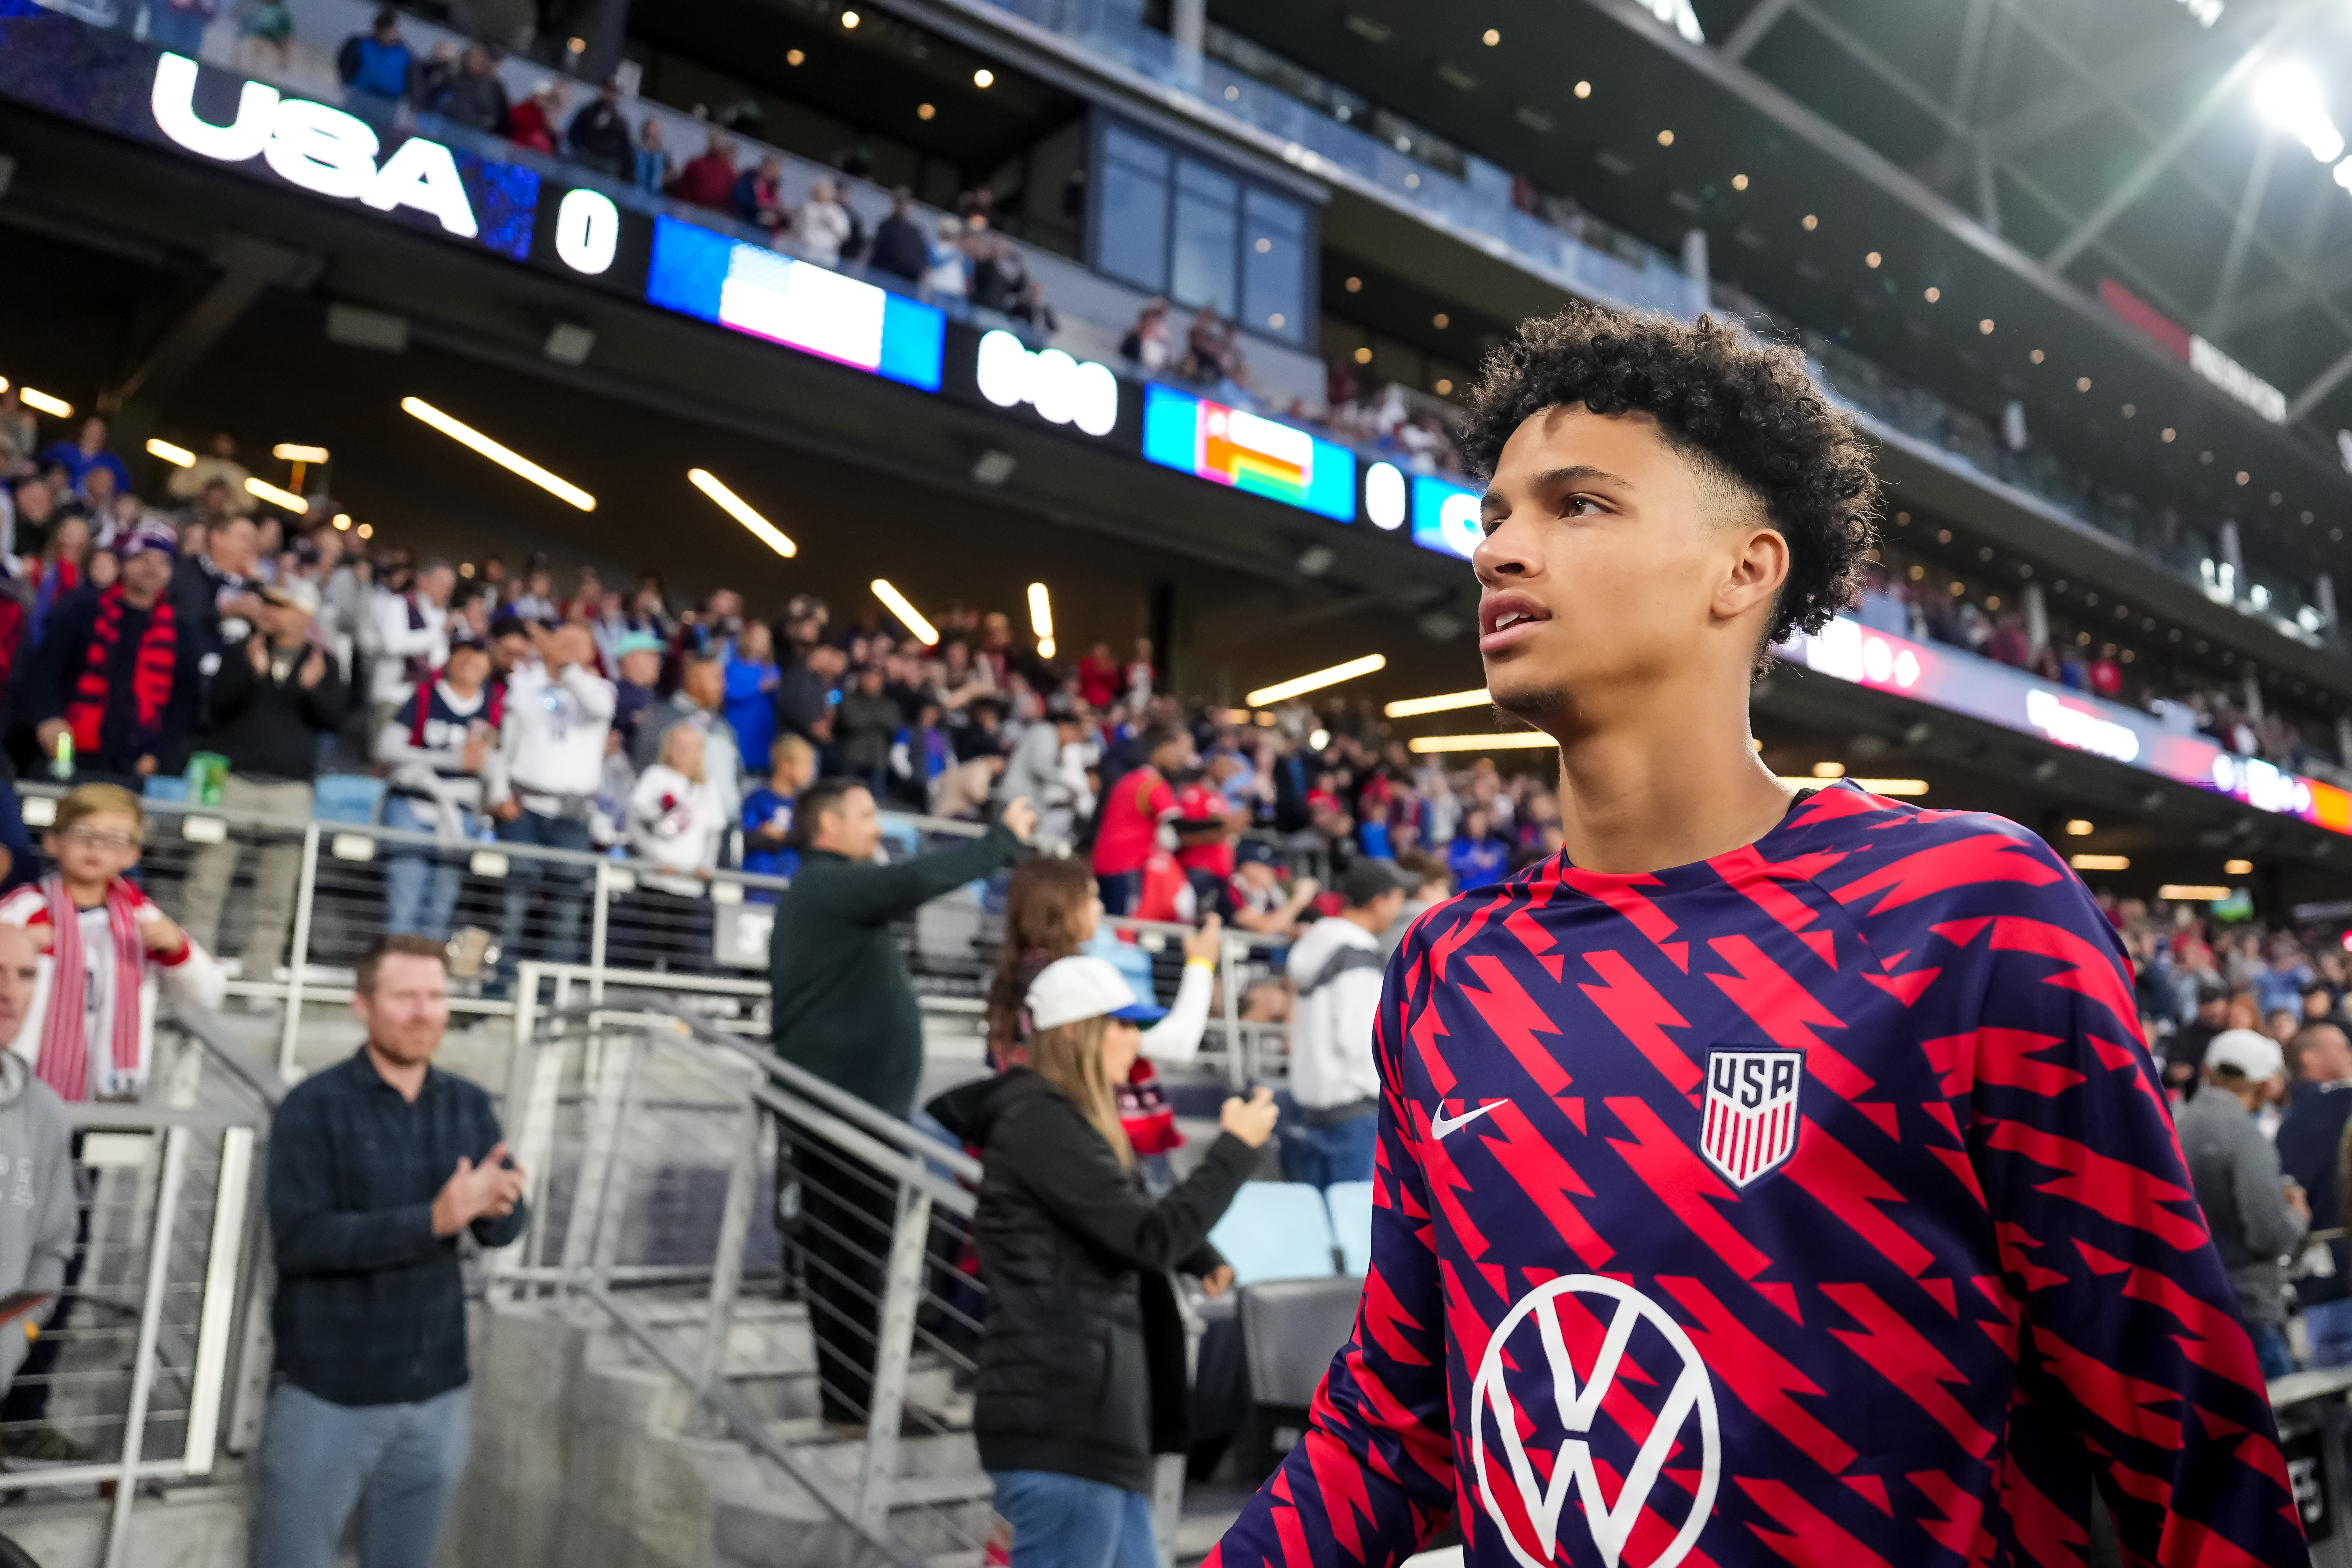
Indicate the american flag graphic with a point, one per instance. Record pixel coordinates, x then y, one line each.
1750 1122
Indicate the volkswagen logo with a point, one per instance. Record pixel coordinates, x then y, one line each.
1521 1413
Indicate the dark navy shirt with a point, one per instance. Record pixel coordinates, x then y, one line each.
371 1306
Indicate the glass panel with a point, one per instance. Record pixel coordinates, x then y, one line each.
1274 267
1208 231
1132 224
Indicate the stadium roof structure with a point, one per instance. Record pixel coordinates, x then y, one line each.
2114 211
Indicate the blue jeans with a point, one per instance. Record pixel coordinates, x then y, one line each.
1062 1522
2271 1350
1120 890
420 886
2329 1326
398 1464
1335 1151
567 892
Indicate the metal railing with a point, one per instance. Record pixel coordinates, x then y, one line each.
141 1372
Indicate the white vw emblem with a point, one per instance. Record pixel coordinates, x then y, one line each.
1532 1528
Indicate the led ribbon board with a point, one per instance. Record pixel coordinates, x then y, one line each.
1249 451
1445 516
757 292
1980 688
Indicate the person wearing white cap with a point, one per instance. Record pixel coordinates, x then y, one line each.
2257 1216
1082 1375
271 702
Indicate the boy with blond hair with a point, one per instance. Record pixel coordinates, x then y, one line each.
106 951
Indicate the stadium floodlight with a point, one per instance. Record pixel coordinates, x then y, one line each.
1041 619
514 462
1282 691
2289 98
908 616
1446 702
55 407
1509 740
275 496
735 506
177 457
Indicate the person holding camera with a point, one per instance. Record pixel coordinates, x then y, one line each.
1082 1376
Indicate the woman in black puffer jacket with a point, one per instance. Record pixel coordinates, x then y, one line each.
1082 1356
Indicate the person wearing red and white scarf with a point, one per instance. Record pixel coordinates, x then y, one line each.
108 952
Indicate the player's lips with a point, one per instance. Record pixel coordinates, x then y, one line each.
1506 619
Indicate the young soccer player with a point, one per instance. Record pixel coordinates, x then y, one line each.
1764 1179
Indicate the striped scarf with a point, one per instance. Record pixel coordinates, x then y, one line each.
63 1060
150 677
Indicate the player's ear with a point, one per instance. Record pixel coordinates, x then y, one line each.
1755 565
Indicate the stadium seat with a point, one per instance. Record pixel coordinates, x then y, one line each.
160 787
347 798
1291 1328
1351 1203
1276 1230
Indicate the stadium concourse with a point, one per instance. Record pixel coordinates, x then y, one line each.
983 782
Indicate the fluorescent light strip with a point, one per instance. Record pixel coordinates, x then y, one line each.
2187 892
1875 786
514 462
1284 690
2099 863
178 456
1041 619
275 496
56 407
908 616
287 451
1413 708
735 506
1512 740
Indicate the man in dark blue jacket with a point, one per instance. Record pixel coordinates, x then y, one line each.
2310 1144
376 1166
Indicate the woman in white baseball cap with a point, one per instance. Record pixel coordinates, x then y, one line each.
1081 1374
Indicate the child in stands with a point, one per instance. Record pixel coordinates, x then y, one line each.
768 813
91 1028
1076 1257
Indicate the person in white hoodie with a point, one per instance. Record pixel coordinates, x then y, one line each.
1338 966
677 822
542 782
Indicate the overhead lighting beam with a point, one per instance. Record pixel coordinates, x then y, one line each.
1283 691
2099 863
505 457
275 496
55 407
293 452
1413 708
2191 893
1041 619
1873 785
908 616
735 506
178 456
1509 740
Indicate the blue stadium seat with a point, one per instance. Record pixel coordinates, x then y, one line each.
347 798
162 788
1276 1230
1290 1330
1351 1223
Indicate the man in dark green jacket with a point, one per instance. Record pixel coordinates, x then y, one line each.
845 1010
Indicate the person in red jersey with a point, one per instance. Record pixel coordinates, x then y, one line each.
1762 1179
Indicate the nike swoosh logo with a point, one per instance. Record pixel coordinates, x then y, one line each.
1441 1123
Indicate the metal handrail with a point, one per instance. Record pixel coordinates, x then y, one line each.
256 1074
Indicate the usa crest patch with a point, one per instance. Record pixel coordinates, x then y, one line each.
1751 1115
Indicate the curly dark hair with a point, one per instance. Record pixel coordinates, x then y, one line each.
1747 413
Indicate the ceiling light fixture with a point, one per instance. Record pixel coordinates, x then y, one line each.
178 456
1829 770
1811 222
505 457
2191 893
1446 702
1584 89
908 616
984 77
1933 294
1282 691
55 407
2079 827
2099 863
1985 326
1739 181
2037 356
735 506
1491 38
289 451
1041 619
2082 384
275 496
850 18
2237 868
1512 740
2289 98
924 111
1666 138
1872 260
